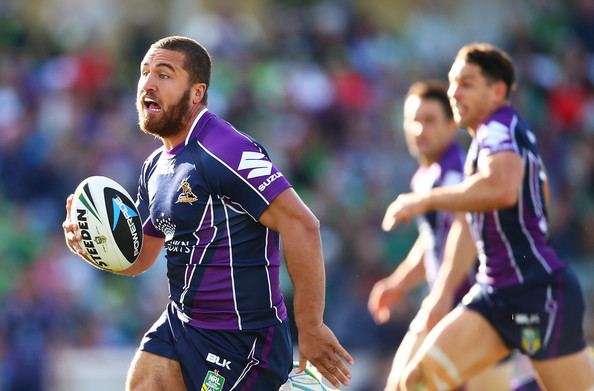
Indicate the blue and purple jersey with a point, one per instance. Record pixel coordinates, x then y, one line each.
204 197
434 225
513 242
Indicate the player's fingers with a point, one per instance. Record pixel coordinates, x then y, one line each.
69 205
302 364
342 352
382 316
373 302
331 373
389 222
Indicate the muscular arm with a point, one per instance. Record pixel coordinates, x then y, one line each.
458 260
388 291
300 234
411 272
495 185
151 247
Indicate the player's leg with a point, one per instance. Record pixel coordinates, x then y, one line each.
150 372
524 377
570 372
496 378
461 345
406 350
156 364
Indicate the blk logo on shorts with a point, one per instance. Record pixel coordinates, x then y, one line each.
221 362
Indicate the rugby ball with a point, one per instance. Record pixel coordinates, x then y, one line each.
109 223
310 380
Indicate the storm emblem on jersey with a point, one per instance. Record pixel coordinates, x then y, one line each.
186 194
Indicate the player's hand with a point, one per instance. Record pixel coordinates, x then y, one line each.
405 207
71 232
384 295
319 346
433 309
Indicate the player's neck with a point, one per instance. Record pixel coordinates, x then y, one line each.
180 137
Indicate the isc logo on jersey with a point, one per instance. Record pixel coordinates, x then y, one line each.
259 167
109 223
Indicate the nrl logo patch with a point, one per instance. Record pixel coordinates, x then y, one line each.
186 194
530 340
213 381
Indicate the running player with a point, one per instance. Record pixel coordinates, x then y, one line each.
525 297
212 197
430 131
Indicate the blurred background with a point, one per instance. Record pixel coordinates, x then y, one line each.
320 84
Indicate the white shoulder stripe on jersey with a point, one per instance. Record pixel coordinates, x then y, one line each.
200 114
233 171
512 130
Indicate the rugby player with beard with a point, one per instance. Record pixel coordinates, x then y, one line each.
212 194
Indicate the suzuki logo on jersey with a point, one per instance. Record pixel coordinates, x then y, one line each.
221 362
253 161
269 180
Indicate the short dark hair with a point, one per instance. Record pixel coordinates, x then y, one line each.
495 64
197 60
432 89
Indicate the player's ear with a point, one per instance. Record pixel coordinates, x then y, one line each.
500 89
198 91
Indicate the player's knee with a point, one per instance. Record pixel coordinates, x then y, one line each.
434 372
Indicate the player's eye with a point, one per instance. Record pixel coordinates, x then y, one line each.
163 76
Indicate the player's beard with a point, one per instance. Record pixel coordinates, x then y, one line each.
171 122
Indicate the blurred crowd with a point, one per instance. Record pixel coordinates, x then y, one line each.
319 83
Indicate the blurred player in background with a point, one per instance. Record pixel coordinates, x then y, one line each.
525 297
211 196
430 132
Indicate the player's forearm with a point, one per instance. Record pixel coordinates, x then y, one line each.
411 272
303 254
459 257
149 253
477 193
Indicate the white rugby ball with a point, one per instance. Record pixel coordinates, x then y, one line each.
309 380
109 223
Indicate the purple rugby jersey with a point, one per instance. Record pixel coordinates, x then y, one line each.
434 225
513 242
204 197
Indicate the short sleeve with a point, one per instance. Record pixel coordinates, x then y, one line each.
242 174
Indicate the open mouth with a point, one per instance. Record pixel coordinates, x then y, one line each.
151 105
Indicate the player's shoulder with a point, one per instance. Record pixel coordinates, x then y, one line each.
222 142
154 156
219 133
498 131
151 161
